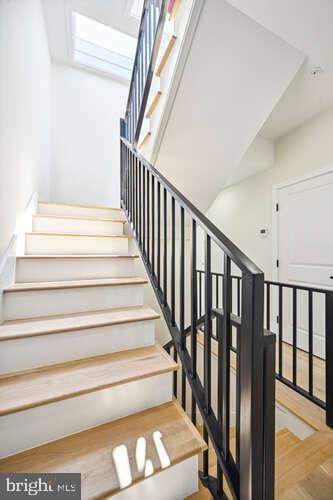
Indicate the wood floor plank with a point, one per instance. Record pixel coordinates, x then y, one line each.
91 452
40 386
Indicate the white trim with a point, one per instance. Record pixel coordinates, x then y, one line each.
275 217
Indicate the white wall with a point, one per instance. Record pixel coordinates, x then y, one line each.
24 111
242 209
86 110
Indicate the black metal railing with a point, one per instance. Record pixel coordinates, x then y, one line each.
235 405
302 319
149 38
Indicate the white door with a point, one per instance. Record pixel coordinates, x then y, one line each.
305 252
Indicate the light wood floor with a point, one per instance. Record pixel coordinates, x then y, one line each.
304 468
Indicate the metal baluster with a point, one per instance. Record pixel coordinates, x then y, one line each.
208 328
153 224
173 250
294 336
329 357
194 306
227 296
280 330
144 210
148 218
220 372
159 234
182 297
310 306
268 304
165 249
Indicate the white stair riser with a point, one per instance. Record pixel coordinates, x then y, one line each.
76 226
32 352
34 303
72 269
76 211
174 483
29 428
56 244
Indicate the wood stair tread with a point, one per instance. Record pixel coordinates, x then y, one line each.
78 256
37 233
78 205
10 330
75 217
48 384
56 285
90 451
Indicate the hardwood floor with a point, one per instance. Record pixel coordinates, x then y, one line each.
303 467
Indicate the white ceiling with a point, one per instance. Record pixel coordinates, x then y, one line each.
306 96
308 26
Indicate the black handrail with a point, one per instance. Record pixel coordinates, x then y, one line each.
292 380
149 40
157 212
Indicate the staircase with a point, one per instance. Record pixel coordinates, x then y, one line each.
83 386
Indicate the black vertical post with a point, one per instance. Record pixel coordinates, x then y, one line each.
208 324
329 357
182 296
158 234
207 345
294 367
153 224
148 217
220 360
251 387
280 330
165 245
310 311
268 306
144 222
194 305
173 269
227 293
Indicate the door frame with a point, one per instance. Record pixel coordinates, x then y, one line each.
275 214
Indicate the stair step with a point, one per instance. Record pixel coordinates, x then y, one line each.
47 403
31 300
35 268
91 452
38 387
27 344
50 208
66 243
42 223
55 285
11 330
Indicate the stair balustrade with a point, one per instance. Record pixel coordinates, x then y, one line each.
160 216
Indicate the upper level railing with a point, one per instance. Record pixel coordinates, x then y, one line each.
234 400
149 38
302 319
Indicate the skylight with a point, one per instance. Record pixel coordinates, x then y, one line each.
101 47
